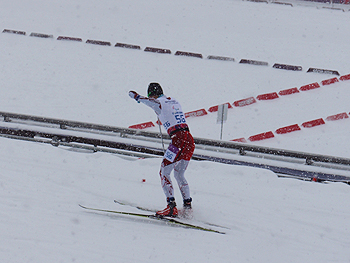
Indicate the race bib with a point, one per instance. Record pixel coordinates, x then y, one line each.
171 153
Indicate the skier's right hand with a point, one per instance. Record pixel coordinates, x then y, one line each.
134 95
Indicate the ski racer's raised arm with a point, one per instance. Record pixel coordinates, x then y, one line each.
152 103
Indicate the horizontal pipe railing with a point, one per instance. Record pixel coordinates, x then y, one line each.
57 139
241 147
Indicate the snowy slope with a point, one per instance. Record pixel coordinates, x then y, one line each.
268 219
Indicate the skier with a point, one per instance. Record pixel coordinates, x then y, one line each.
180 150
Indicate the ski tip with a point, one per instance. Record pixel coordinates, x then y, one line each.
83 206
119 202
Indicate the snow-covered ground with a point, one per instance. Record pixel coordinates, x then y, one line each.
268 219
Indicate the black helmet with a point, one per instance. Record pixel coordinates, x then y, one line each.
154 89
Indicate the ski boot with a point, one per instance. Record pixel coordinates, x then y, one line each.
170 210
187 211
188 203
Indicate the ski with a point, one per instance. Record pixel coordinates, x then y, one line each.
153 216
150 210
132 205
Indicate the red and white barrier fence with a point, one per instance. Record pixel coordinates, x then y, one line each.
271 96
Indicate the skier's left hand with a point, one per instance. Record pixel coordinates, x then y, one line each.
134 95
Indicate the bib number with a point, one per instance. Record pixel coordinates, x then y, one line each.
180 118
171 152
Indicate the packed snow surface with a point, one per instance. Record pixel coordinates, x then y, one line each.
266 218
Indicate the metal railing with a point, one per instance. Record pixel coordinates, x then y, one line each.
209 149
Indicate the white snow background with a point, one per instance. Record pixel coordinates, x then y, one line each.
267 219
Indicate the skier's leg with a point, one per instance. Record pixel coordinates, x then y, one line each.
179 174
168 189
165 179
